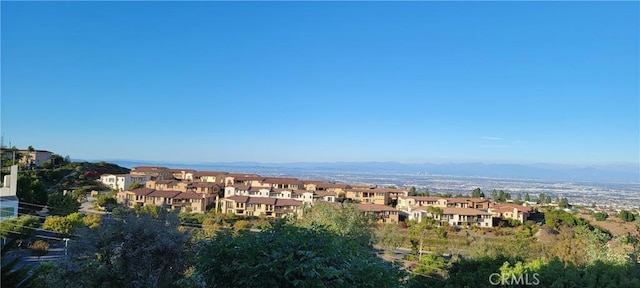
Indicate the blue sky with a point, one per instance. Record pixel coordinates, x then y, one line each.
324 81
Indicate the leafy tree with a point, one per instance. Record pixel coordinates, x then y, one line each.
547 200
64 225
600 216
518 198
345 220
128 250
92 220
241 224
430 265
390 237
79 194
541 198
58 224
212 224
557 218
476 193
564 203
109 203
135 185
31 190
414 192
290 256
502 196
626 216
62 205
418 231
527 197
20 227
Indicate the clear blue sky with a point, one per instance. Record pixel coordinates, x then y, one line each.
324 81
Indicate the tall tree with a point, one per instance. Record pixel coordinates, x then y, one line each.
31 191
62 205
527 197
476 193
542 198
518 198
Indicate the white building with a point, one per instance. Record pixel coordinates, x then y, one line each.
8 199
121 182
453 216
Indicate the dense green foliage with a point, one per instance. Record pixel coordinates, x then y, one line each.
600 216
128 250
414 192
31 190
67 224
627 216
134 186
11 276
390 237
107 202
345 220
541 273
557 218
289 256
20 227
62 205
500 196
477 193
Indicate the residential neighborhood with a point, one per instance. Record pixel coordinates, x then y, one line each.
194 191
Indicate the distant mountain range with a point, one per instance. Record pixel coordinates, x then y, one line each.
614 173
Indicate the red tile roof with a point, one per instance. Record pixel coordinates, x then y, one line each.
204 184
463 211
375 207
142 191
188 195
288 202
324 193
239 199
509 208
164 193
259 188
241 187
262 200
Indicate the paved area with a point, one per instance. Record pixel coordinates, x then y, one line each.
56 252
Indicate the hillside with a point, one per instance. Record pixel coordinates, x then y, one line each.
35 185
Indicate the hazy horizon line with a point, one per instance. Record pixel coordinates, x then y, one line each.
604 163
